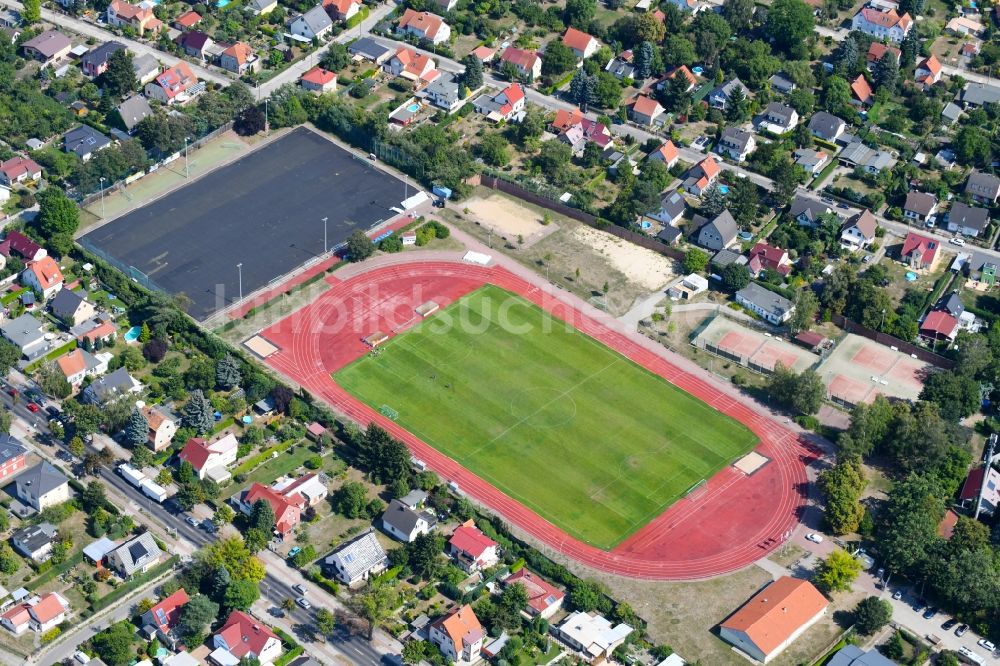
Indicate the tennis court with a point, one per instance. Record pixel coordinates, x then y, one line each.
752 349
860 369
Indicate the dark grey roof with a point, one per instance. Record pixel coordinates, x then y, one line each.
10 448
951 111
133 110
782 112
84 140
968 216
317 19
403 518
852 655
723 258
99 55
64 305
357 557
144 64
726 89
738 139
42 478
782 83
825 125
952 303
808 207
33 538
669 234
725 225
673 203
982 184
367 47
765 298
979 94
23 331
920 202
444 88
109 386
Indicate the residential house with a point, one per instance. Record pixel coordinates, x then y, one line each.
688 287
138 17
852 655
95 61
981 268
622 66
146 68
928 71
484 53
97 329
577 131
12 456
983 187
970 50
38 613
779 118
444 92
25 333
813 161
506 105
314 24
19 244
195 43
34 541
406 524
287 509
43 276
919 206
319 80
774 618
171 85
980 94
807 210
84 141
424 25
135 556
187 20
681 71
782 84
861 92
666 153
458 635
305 491
982 490
357 559
527 64
79 364
47 47
165 617
239 59
262 7
965 27
826 126
672 207
109 387
968 220
877 51
367 48
132 111
473 550
887 25
243 636
919 252
342 10
858 232
10 18
764 256
211 459
593 635
720 97
646 111
19 170
544 598
42 486
411 65
736 143
702 176
161 428
858 155
765 303
939 325
580 43
719 233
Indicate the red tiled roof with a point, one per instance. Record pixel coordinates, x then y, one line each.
770 257
939 322
342 7
48 608
668 151
514 93
887 19
577 39
878 50
188 19
72 363
462 627
947 525
862 91
286 508
519 57
103 330
709 167
566 119
484 53
240 52
23 245
926 246
541 593
468 539
423 22
47 272
196 452
932 65
685 72
175 80
167 613
243 634
777 612
319 76
17 165
647 106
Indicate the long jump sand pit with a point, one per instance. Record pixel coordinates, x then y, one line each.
508 218
645 267
750 348
860 369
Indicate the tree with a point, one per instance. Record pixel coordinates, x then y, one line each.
232 553
581 88
375 604
9 354
250 121
57 213
240 595
871 614
31 11
955 395
473 75
847 57
842 486
262 516
141 457
227 372
806 306
838 572
359 246
114 644
580 13
790 23
972 146
886 73
738 13
326 621
77 447
695 260
9 562
586 596
802 393
424 555
336 57
735 277
53 381
415 652
836 96
908 50
195 617
558 58
607 90
197 413
908 523
350 499
713 202
644 61
223 515
119 80
137 429
494 149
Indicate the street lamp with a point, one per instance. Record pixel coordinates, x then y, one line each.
102 196
187 171
267 127
239 267
325 246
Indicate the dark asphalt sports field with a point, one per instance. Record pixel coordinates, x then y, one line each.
265 211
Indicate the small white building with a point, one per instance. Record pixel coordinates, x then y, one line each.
688 287
593 635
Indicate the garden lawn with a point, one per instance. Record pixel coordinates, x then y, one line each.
589 440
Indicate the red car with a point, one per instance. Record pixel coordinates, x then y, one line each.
12 392
32 407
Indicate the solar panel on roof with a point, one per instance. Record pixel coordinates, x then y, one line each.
161 617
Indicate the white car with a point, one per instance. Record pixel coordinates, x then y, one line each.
300 589
815 538
304 603
957 240
986 645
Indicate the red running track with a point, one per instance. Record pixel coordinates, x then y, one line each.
732 522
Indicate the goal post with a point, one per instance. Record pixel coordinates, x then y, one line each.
696 489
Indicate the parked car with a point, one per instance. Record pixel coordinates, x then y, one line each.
304 603
191 520
897 595
957 240
962 628
293 552
53 412
930 612
299 589
949 624
986 645
815 538
33 408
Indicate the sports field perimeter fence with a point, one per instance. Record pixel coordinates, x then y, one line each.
131 271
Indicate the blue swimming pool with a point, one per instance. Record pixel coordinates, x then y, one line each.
221 3
646 225
723 190
697 70
910 276
132 334
413 108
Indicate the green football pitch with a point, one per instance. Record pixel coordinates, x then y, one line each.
589 440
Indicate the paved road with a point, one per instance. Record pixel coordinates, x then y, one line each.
90 30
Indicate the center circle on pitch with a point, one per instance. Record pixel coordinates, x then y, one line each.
542 407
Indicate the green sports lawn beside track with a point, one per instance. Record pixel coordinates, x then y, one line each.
589 440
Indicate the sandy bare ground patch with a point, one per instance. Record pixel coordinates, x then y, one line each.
508 218
642 266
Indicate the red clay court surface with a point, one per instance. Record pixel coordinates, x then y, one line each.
729 524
